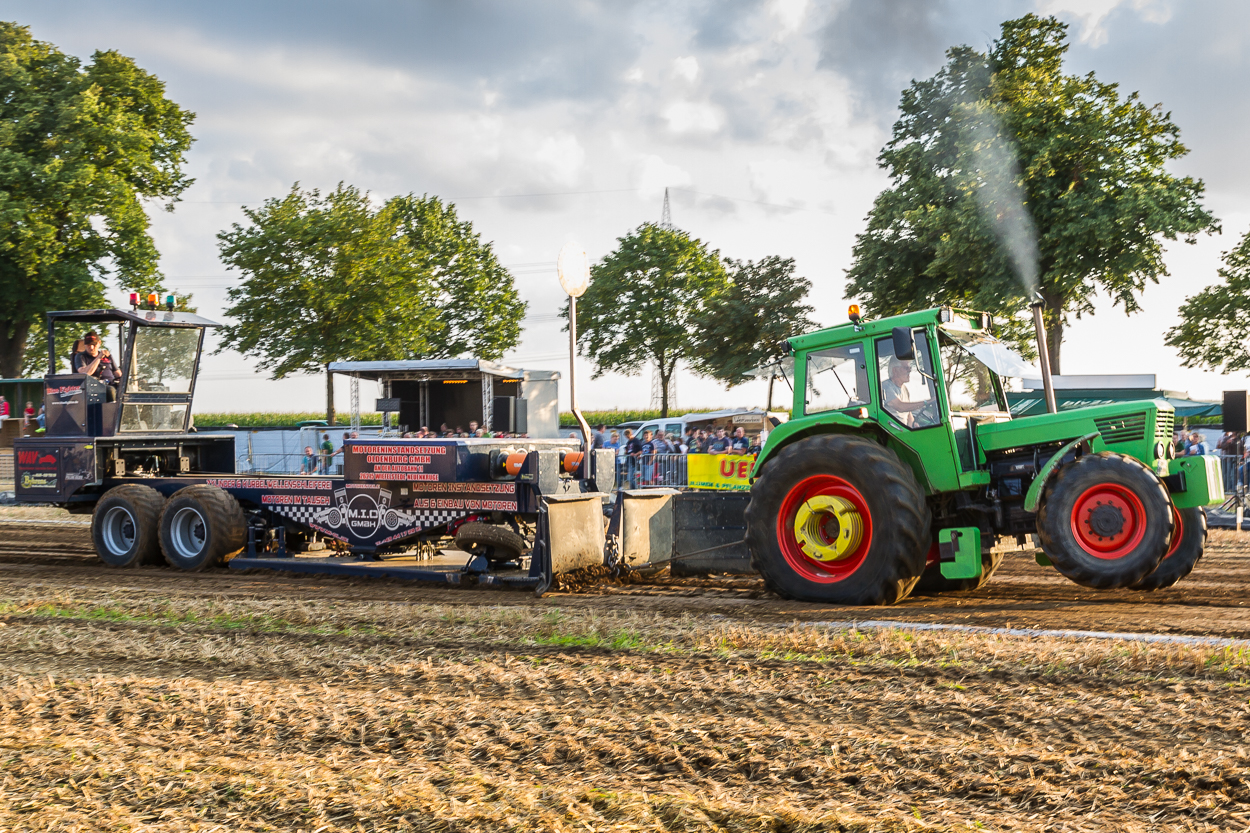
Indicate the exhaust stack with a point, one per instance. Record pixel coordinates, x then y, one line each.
1043 356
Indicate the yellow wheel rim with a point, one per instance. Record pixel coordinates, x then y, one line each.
828 528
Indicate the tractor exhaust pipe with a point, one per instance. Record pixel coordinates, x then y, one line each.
1043 356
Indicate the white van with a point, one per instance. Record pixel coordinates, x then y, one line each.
753 420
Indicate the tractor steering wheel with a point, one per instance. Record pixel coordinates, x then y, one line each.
928 415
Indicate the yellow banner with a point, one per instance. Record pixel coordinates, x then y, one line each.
722 472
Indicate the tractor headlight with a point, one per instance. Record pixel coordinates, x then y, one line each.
1160 451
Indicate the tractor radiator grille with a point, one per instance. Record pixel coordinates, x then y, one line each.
1163 426
1122 429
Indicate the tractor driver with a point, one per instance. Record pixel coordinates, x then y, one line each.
897 396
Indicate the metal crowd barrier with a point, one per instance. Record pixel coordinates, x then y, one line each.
291 464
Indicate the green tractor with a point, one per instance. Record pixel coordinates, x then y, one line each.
902 466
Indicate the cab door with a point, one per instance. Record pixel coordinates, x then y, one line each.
913 410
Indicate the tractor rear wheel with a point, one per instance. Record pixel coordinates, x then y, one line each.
1105 520
838 519
932 580
200 526
1189 538
125 526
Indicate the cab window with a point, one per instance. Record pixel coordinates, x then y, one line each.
837 378
970 384
907 392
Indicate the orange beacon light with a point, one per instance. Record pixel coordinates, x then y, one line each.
853 313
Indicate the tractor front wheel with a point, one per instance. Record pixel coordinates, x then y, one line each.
1189 538
840 520
1105 521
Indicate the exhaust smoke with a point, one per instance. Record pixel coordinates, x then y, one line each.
1000 195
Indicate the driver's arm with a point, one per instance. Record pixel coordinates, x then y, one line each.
898 405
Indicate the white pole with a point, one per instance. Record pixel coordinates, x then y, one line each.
581 421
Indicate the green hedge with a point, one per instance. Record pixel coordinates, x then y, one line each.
642 415
276 419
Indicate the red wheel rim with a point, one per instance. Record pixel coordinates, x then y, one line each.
822 572
1178 532
1108 521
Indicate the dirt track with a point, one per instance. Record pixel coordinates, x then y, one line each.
1210 602
154 700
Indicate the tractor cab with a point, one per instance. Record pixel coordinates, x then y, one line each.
154 370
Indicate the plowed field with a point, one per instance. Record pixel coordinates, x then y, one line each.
153 700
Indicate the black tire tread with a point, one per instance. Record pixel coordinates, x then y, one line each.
225 518
1181 563
1068 567
482 534
909 513
147 503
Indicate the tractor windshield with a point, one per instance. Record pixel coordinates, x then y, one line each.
974 364
163 360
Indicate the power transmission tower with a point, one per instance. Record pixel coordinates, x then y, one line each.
657 386
657 390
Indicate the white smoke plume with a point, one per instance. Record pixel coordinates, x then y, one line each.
1001 195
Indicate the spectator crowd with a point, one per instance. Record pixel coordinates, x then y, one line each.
655 458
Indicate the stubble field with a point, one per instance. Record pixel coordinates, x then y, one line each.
151 700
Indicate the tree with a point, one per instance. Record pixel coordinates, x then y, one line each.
81 146
745 325
1215 324
332 279
643 301
1012 180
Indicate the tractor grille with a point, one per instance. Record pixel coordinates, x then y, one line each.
1163 426
1122 429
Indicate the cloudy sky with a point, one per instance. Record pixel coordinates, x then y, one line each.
548 122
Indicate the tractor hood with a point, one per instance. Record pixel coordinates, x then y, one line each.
1132 428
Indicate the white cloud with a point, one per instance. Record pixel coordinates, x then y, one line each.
789 13
654 175
1093 13
562 156
693 117
686 68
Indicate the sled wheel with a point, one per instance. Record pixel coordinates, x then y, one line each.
1189 538
1105 521
125 526
200 526
838 519
496 543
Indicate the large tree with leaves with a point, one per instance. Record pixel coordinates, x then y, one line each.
332 278
643 302
1011 179
745 325
81 147
1215 324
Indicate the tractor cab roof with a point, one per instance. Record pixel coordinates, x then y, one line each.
141 317
945 317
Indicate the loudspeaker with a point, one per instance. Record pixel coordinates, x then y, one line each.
1236 410
508 414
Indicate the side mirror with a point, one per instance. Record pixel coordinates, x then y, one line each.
904 344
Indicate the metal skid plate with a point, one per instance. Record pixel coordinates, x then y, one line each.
445 568
575 534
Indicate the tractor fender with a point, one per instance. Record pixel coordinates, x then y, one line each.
788 432
1034 496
